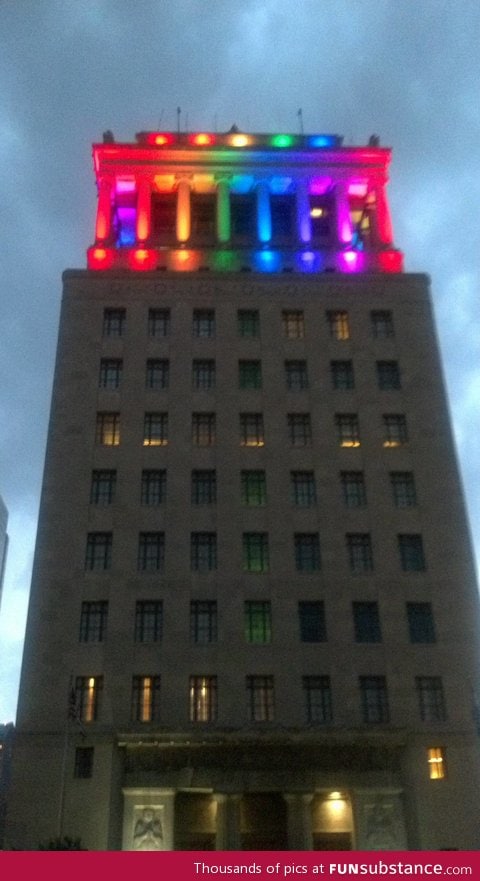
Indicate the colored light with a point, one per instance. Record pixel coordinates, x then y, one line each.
241 183
317 212
160 139
240 141
322 141
318 186
390 261
203 139
351 261
268 261
282 141
310 261
125 185
280 185
100 258
143 258
264 216
358 190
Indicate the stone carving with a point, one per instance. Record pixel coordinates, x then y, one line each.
383 826
148 831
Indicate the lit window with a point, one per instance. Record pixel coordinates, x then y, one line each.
254 488
431 698
110 373
255 552
158 322
318 699
102 490
249 374
148 621
412 558
108 429
293 324
248 323
366 622
359 547
260 697
204 323
151 551
299 429
307 552
251 430
99 551
155 430
204 487
154 487
258 621
421 626
353 485
341 373
394 430
296 375
388 375
83 768
93 621
382 323
203 374
157 374
303 490
311 615
374 699
203 621
348 429
203 698
403 488
203 551
338 324
114 322
203 429
436 763
88 691
321 215
145 699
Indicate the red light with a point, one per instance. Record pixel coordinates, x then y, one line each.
100 258
390 261
203 139
142 258
162 139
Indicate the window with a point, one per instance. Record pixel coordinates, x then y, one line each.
203 216
431 700
293 324
204 323
258 621
403 488
157 374
382 323
318 698
255 552
251 430
204 487
249 374
260 698
307 552
248 323
366 622
304 493
154 487
203 621
299 429
203 551
394 430
151 551
421 627
99 551
203 698
348 429
88 690
203 429
158 322
203 374
254 488
282 207
296 375
114 322
145 699
388 375
102 490
108 429
110 373
148 620
341 373
338 324
437 769
411 553
374 699
93 621
359 547
155 430
83 768
353 486
311 616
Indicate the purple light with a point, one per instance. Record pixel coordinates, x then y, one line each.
122 185
319 185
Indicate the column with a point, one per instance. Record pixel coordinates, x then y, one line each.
304 223
223 211
382 223
342 213
103 225
299 820
184 223
148 819
228 821
264 214
144 201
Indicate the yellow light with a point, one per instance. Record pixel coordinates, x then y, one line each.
350 443
239 140
317 212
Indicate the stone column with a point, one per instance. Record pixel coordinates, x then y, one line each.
304 223
342 214
382 224
223 211
184 221
299 820
103 225
379 819
144 211
148 819
264 214
228 821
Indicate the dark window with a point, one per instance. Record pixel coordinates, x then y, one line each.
394 430
311 616
258 621
203 429
83 768
154 487
148 620
155 430
203 374
93 621
338 324
151 551
341 373
431 698
203 212
304 493
403 488
145 699
382 323
157 374
249 374
164 213
255 552
254 488
203 323
293 324
412 558
353 485
421 627
248 323
99 551
102 491
87 696
366 622
388 375
204 487
243 214
299 429
203 698
260 697
307 552
251 430
110 373
348 429
318 698
296 375
359 547
282 208
203 551
107 432
374 699
114 321
203 621
158 322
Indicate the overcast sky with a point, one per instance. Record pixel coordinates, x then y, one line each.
408 70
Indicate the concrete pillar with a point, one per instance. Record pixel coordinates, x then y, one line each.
342 213
103 225
148 819
228 821
299 820
264 214
144 211
223 211
379 819
304 223
184 220
382 224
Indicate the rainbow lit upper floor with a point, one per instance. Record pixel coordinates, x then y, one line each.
236 201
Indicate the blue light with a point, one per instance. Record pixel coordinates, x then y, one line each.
268 261
323 141
310 261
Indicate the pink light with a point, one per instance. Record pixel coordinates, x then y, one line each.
202 139
123 185
319 185
358 190
351 261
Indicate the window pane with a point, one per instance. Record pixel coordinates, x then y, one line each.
437 769
388 375
411 553
83 762
299 429
204 487
110 373
255 552
307 552
254 488
382 323
108 429
157 374
431 699
366 622
148 620
251 430
260 698
93 621
203 621
102 491
203 429
151 551
293 324
403 488
374 700
158 322
348 429
99 551
145 699
248 323
203 698
250 374
203 551
394 430
420 622
338 324
296 375
342 374
359 552
304 493
258 624
155 431
312 621
353 486
114 322
203 374
318 698
154 487
203 323
85 705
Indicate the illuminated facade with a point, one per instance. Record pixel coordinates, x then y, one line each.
254 617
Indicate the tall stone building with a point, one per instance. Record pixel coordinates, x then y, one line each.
254 619
3 543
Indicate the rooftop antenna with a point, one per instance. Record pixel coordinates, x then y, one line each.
178 119
300 119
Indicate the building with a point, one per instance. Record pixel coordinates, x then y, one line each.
254 619
6 744
3 542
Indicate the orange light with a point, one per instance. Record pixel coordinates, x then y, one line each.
239 140
100 258
203 139
142 258
162 140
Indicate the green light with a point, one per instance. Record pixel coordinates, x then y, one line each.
224 260
282 140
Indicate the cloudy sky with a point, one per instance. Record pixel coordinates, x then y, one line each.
408 70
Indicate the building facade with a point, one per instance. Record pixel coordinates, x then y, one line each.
3 543
254 618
